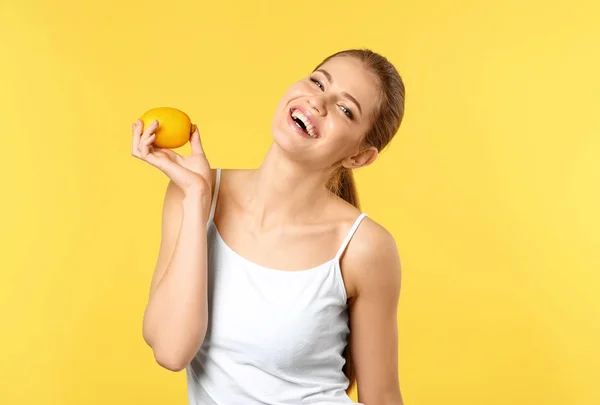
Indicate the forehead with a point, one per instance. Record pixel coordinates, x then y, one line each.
350 74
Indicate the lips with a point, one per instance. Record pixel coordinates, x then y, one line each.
304 120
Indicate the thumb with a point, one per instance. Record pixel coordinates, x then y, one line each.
195 142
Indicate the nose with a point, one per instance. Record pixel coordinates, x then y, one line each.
317 104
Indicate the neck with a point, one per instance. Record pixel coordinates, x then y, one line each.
282 190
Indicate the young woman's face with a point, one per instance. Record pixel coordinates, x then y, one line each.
323 118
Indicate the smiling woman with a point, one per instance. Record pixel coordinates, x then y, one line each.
271 286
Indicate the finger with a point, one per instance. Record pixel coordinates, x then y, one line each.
136 129
141 141
151 128
145 144
195 142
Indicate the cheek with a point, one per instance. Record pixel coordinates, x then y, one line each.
338 128
290 94
339 141
344 138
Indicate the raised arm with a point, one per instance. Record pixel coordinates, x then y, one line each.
176 315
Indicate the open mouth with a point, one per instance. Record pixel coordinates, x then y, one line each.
304 123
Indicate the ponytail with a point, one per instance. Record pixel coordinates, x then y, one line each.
342 184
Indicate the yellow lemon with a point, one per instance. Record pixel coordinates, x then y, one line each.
174 126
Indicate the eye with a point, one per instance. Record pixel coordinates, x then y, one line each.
318 83
346 111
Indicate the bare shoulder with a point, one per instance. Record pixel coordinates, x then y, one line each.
372 240
233 178
371 262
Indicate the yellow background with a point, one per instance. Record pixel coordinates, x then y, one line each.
491 188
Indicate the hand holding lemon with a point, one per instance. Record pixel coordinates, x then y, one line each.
157 132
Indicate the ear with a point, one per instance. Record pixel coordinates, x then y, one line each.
363 158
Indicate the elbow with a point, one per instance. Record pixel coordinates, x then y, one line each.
172 359
173 356
173 351
171 362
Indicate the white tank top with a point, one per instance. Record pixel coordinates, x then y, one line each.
274 336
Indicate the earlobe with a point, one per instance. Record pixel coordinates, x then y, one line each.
363 158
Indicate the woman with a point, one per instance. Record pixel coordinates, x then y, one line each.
270 285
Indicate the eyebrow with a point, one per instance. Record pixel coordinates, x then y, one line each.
345 94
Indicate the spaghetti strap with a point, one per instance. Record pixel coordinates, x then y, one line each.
349 236
213 206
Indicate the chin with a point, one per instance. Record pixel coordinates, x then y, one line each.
286 139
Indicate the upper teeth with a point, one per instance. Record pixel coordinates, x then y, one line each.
309 127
